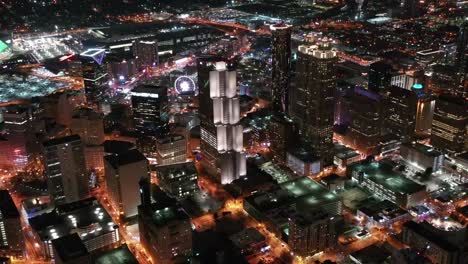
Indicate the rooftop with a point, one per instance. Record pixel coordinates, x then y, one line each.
122 159
7 206
170 138
247 237
382 210
61 140
379 173
87 217
120 255
69 247
302 191
448 240
164 215
424 149
18 86
371 255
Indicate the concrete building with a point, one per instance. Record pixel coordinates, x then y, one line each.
380 179
123 171
86 218
303 162
449 125
89 125
165 231
312 233
11 237
178 180
422 156
65 169
440 246
171 149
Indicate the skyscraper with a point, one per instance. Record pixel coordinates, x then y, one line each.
449 125
313 96
149 106
221 134
89 125
365 110
281 63
65 169
380 75
123 171
145 53
400 112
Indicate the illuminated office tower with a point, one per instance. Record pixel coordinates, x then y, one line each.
400 112
65 169
313 96
449 125
221 133
145 53
281 63
149 106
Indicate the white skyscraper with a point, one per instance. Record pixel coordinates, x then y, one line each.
226 117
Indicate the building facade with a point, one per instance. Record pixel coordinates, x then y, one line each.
65 169
313 97
281 64
123 171
449 125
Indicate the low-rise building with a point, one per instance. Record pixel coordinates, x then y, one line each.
87 218
383 214
440 246
249 241
178 180
381 179
422 156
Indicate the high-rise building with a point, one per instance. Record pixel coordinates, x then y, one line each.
149 106
281 63
280 136
11 237
18 138
312 233
365 111
400 112
165 231
210 154
123 171
171 149
313 96
150 115
89 125
65 169
145 53
178 180
380 75
221 134
449 125
226 117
